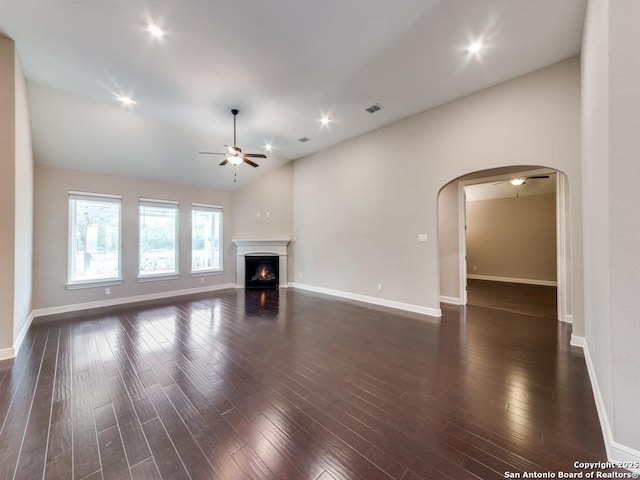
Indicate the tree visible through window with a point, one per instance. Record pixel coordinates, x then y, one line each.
206 238
158 238
94 237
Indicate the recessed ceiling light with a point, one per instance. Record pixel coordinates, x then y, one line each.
268 147
155 30
516 182
475 47
325 120
127 101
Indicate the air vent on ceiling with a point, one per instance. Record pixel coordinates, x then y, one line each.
303 139
374 108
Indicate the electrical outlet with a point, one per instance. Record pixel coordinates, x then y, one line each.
379 287
475 267
107 291
300 276
202 280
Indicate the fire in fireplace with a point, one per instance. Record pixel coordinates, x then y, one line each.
261 271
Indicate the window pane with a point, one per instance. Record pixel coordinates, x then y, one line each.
158 239
94 248
206 232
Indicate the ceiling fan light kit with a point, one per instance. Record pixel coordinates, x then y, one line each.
234 154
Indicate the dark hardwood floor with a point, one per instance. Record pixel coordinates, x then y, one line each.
293 385
535 300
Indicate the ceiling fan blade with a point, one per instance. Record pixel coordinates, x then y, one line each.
249 162
255 155
224 162
539 176
212 153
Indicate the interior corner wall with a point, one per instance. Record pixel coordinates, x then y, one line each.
360 206
7 194
264 209
23 274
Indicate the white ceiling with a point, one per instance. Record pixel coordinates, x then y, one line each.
282 63
502 188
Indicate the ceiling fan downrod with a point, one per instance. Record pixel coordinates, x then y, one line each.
234 112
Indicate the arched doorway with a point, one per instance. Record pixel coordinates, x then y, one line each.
452 238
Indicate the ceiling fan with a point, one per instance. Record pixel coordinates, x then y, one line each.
517 181
234 154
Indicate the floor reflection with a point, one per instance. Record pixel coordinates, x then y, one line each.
262 302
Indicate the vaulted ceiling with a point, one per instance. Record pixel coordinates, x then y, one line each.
284 64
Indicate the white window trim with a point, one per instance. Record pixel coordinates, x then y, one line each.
206 273
153 277
96 282
158 277
210 271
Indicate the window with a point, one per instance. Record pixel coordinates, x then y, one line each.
206 238
94 238
158 221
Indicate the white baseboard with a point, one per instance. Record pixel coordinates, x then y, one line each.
616 452
567 319
7 353
527 281
432 312
23 333
450 300
125 300
12 352
577 341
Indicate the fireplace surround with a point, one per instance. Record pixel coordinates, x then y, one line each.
261 248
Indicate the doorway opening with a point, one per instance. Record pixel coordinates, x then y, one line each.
503 241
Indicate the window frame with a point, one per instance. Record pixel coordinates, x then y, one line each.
71 283
202 207
157 203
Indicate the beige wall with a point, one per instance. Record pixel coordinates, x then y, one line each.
16 202
52 186
449 242
23 274
512 238
611 121
264 208
7 191
359 206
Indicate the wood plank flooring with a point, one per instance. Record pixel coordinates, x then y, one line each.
536 300
293 385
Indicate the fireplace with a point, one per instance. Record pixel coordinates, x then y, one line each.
261 248
261 271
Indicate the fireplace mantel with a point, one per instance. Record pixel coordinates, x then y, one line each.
276 247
